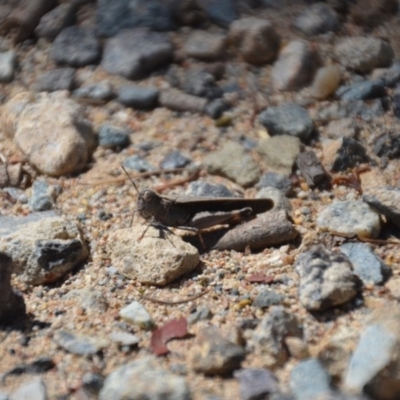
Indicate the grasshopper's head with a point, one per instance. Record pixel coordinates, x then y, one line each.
148 203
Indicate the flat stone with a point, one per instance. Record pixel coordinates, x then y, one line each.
96 92
326 279
174 159
205 46
277 181
78 344
8 64
141 98
136 314
350 218
113 137
366 90
56 79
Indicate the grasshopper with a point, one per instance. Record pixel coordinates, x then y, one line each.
195 213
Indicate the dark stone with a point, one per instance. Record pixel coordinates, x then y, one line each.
215 108
56 79
222 12
174 159
141 98
97 92
277 181
392 76
39 366
137 163
362 91
350 153
113 137
76 46
202 84
387 145
92 383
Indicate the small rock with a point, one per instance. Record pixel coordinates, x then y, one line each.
270 334
43 196
387 145
141 98
8 64
56 79
202 84
124 338
144 379
346 128
363 54
390 76
267 298
97 92
174 159
256 40
42 245
215 108
201 313
366 264
212 354
112 137
349 218
114 17
295 66
134 53
78 344
309 380
375 363
136 314
366 90
52 23
344 153
178 101
287 119
311 168
205 46
326 279
281 202
12 305
76 46
222 12
205 189
35 389
137 163
91 300
233 162
316 19
154 260
92 384
277 181
280 152
256 383
385 200
326 81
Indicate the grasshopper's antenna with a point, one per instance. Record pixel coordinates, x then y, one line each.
133 183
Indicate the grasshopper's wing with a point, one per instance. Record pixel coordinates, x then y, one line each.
199 204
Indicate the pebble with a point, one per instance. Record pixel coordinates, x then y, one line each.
386 201
205 46
201 313
270 334
344 153
363 54
296 65
309 380
137 163
345 127
12 305
136 314
112 137
202 84
326 81
144 379
281 202
92 384
43 246
366 90
56 79
256 383
34 389
390 76
90 299
8 65
255 39
43 196
277 181
37 131
212 354
96 92
287 119
174 159
317 19
52 23
374 362
205 189
124 338
222 12
79 344
135 53
178 101
326 279
387 145
215 108
366 264
141 98
154 260
233 162
267 298
280 152
152 14
76 46
349 218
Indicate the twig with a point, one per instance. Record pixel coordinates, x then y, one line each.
172 303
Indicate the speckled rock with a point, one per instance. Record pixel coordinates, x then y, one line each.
43 196
326 279
326 81
346 127
8 64
205 45
42 245
349 218
144 379
137 163
154 260
78 344
174 159
267 298
365 90
235 163
255 39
